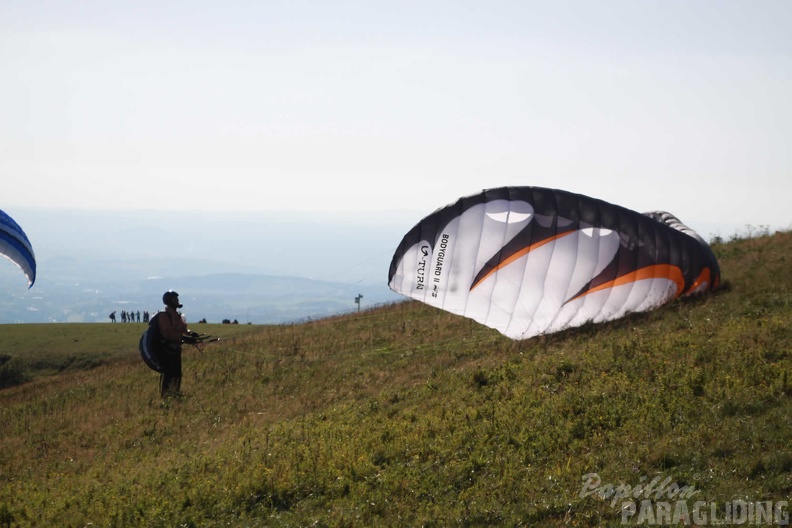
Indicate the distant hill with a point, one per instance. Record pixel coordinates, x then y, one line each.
264 268
263 299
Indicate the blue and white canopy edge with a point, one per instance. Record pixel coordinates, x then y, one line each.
15 246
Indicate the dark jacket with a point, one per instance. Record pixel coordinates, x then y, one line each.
172 327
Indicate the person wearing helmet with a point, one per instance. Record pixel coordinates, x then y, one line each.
174 331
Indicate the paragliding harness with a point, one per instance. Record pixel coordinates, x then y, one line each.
152 345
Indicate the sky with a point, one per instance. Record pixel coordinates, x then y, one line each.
367 106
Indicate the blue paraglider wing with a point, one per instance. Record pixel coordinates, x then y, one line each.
15 246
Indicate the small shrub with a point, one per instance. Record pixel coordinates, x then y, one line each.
12 374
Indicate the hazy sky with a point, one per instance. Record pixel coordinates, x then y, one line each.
388 105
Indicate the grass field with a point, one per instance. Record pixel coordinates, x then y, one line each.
28 351
409 416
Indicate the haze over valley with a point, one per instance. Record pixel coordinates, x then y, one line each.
250 267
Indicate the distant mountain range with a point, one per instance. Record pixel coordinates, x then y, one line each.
261 299
261 268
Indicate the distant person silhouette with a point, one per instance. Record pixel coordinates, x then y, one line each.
112 317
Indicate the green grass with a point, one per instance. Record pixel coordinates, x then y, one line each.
28 351
409 416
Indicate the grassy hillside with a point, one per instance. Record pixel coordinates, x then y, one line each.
408 416
28 351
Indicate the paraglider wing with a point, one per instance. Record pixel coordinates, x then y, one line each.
529 260
15 246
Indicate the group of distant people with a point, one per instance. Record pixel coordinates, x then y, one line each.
130 317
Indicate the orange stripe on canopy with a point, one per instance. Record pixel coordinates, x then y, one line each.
524 251
658 271
703 278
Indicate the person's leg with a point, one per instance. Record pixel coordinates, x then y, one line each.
170 381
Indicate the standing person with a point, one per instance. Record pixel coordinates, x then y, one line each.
174 332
